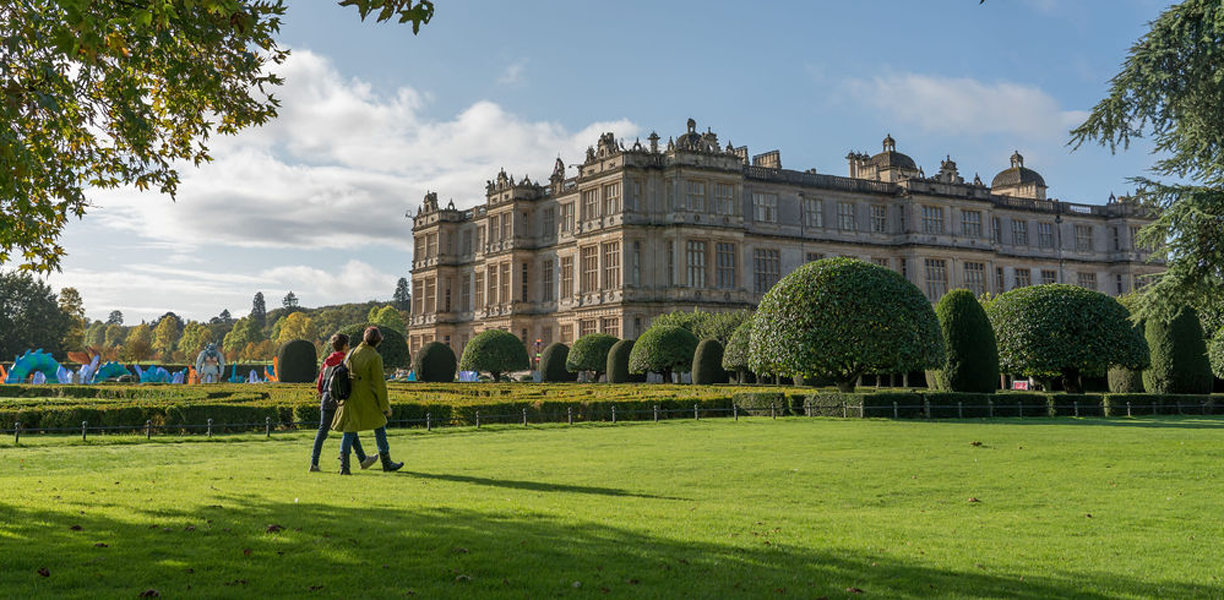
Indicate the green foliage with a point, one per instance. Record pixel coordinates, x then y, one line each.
1169 91
972 363
722 325
553 361
1125 381
297 362
95 334
394 348
495 352
71 304
1179 363
1215 354
663 349
402 298
1064 330
434 363
841 318
244 332
590 353
115 335
618 363
166 337
707 363
259 310
388 316
735 355
196 336
30 316
138 345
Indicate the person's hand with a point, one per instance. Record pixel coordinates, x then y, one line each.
388 413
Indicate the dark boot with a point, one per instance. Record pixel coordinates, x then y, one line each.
387 464
344 465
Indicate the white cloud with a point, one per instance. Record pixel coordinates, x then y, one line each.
341 165
966 107
513 75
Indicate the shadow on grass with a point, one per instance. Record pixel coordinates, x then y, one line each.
231 549
535 486
1154 422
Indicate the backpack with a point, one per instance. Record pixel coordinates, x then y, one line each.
339 383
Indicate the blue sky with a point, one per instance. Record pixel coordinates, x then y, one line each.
374 116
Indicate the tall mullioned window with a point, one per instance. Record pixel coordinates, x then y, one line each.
879 218
932 219
1045 234
1020 232
996 230
813 212
590 204
767 268
696 193
546 280
936 278
724 199
1083 238
567 276
590 269
765 207
696 254
725 263
1049 276
478 286
550 222
1087 280
846 219
971 223
1024 277
567 217
975 277
611 198
611 265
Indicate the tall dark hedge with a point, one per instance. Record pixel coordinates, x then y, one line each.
393 348
707 363
552 363
434 363
297 362
618 363
495 352
969 345
1179 356
590 353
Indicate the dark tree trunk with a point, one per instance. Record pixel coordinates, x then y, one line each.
846 385
1071 381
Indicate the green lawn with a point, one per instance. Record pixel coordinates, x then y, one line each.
802 507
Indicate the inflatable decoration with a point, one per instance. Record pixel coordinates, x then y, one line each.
109 370
254 377
210 364
234 376
270 370
154 375
3 373
32 362
39 378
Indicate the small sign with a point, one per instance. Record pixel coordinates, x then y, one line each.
1020 385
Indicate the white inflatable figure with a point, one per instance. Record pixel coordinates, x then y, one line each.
63 375
39 378
210 364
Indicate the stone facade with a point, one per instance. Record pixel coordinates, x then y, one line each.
653 228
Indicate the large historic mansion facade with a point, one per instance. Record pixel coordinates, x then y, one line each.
654 228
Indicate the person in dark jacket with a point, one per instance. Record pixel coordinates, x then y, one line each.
327 405
367 406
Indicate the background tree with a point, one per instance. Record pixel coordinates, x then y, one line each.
115 335
393 349
196 336
735 355
296 326
138 345
71 304
722 325
243 333
590 353
1061 330
972 358
388 316
402 298
841 318
115 318
290 301
1169 89
107 94
259 310
434 363
552 363
30 317
1179 356
1215 352
165 338
95 334
692 320
495 352
223 317
707 363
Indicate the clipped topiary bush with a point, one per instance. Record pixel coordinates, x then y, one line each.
297 362
618 363
972 359
1125 381
434 363
552 363
393 348
735 355
840 318
1055 330
1179 356
1215 353
707 363
590 353
495 352
663 349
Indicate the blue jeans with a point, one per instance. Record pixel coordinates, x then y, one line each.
325 421
350 440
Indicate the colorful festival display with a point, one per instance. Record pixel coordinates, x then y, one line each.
39 367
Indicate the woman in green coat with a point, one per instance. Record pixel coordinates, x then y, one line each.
366 407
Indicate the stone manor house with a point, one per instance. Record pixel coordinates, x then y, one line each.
643 230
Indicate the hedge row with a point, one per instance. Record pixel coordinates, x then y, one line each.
948 405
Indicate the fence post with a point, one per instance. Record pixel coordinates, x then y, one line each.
210 428
807 408
17 433
896 413
656 413
843 409
773 411
149 429
735 411
926 407
696 414
1076 406
569 414
1128 408
524 417
960 410
990 407
477 419
84 427
613 413
428 421
267 427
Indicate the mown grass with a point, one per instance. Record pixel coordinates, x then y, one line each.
1039 508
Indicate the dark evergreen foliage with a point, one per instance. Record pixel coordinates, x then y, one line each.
552 363
590 353
297 362
707 363
663 349
495 352
1179 356
618 363
394 348
972 359
434 363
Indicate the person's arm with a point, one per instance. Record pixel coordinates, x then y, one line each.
319 381
380 384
